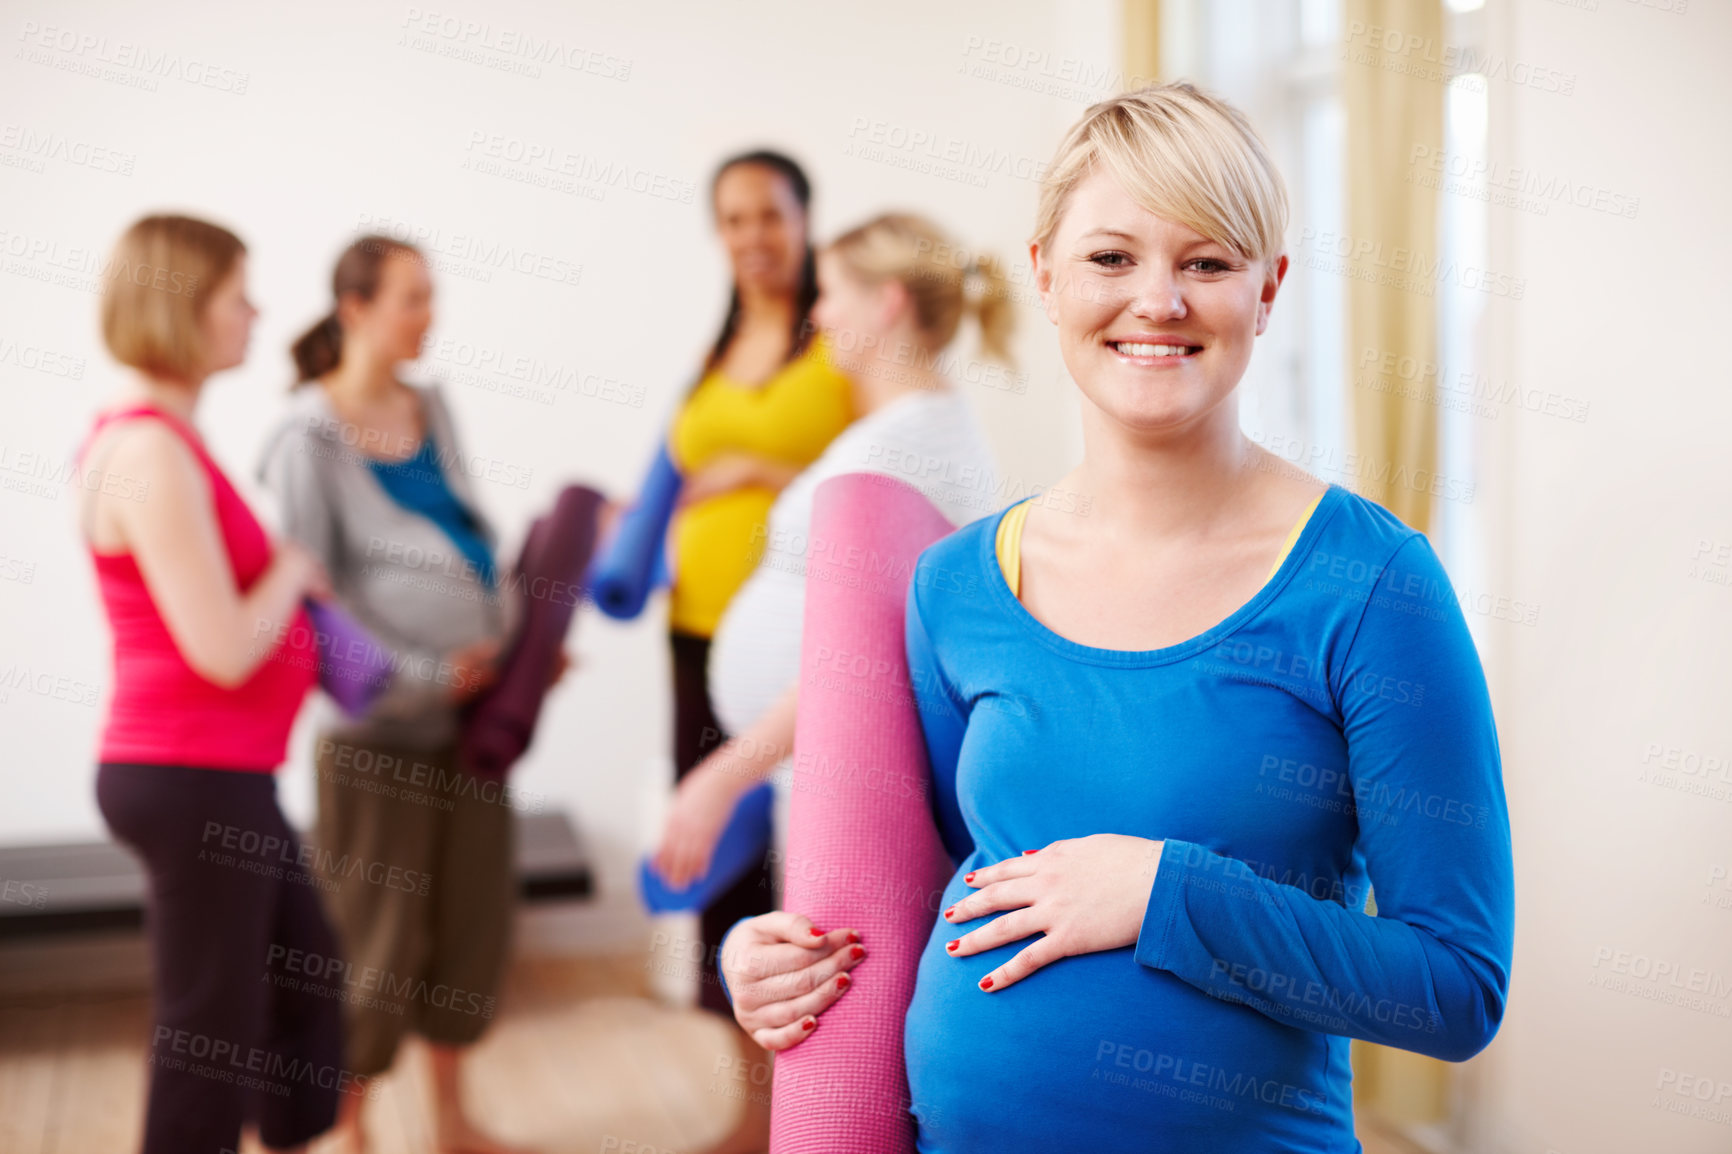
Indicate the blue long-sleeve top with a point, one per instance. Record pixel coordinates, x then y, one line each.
1332 734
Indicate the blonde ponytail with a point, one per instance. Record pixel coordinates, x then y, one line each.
990 301
944 281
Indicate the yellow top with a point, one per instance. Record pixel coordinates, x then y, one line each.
791 417
1008 543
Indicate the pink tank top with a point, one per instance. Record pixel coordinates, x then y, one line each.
162 712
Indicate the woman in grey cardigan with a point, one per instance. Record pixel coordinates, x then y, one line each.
416 851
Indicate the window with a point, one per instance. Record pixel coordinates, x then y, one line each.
1279 62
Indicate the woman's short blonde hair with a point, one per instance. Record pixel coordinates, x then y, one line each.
1182 154
159 282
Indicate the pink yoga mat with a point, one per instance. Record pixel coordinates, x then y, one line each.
862 848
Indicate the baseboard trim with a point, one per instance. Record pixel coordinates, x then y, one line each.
118 961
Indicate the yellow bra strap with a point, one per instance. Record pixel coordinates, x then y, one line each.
1008 545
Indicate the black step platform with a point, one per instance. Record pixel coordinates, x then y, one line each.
83 887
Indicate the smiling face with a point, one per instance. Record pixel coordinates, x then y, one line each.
1155 321
395 322
762 226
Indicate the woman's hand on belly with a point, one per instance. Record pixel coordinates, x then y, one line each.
474 669
726 472
1084 894
783 972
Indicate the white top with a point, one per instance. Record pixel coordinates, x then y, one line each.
928 438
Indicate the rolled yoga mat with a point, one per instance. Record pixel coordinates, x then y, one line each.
740 847
353 667
633 561
500 724
862 846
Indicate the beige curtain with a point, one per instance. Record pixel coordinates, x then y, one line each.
1391 105
1394 103
1142 42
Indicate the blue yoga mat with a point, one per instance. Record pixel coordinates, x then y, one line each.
741 847
634 559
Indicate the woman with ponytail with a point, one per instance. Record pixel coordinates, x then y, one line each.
891 305
371 478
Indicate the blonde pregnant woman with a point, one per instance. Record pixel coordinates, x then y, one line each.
889 304
1176 741
889 308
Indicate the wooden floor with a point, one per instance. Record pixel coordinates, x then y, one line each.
582 1058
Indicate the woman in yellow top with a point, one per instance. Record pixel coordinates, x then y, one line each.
766 405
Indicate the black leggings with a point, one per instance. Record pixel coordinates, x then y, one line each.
238 1034
697 733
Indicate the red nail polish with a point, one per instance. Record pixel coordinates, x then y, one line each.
852 936
986 982
816 932
808 1023
841 981
968 878
858 952
1026 852
952 947
949 911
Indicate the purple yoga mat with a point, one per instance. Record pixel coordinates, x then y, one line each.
353 667
500 724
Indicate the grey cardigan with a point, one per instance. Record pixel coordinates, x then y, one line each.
396 571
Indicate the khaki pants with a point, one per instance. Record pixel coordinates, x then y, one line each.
417 857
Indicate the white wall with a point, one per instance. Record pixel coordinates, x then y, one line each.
1601 522
318 122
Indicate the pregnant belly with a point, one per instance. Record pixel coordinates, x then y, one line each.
755 654
1098 1052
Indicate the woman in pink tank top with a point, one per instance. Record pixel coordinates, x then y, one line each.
213 655
165 709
